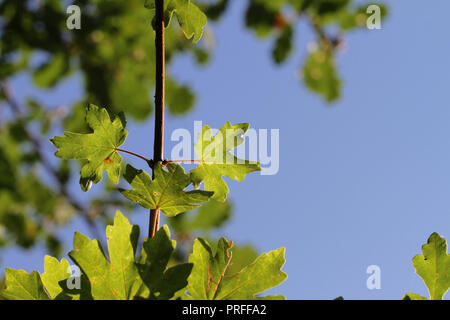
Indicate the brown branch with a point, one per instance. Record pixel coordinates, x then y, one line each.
158 146
36 144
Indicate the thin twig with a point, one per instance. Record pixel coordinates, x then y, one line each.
135 154
158 146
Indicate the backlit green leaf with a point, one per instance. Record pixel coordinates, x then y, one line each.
21 285
97 150
209 279
119 278
218 161
54 272
434 266
191 19
320 75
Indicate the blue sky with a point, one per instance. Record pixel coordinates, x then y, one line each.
362 182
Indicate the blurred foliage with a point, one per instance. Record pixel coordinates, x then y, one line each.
113 54
113 51
330 21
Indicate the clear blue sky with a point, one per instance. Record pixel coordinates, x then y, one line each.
363 182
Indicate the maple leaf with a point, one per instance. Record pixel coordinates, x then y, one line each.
433 267
166 191
191 19
162 282
98 150
218 161
21 285
209 279
117 276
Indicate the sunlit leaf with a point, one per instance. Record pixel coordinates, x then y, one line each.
118 278
209 279
21 285
434 266
97 150
218 161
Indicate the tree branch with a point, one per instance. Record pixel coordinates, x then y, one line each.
158 146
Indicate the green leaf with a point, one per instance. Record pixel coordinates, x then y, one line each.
52 71
156 252
413 296
215 10
323 7
97 150
217 160
166 191
261 16
209 279
179 98
54 272
243 255
118 280
434 266
320 75
120 277
283 45
191 19
55 278
21 285
212 214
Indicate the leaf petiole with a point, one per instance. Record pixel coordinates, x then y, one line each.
134 154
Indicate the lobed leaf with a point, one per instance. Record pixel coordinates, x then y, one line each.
209 279
162 283
218 161
165 191
115 280
21 285
191 19
434 266
54 272
97 150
